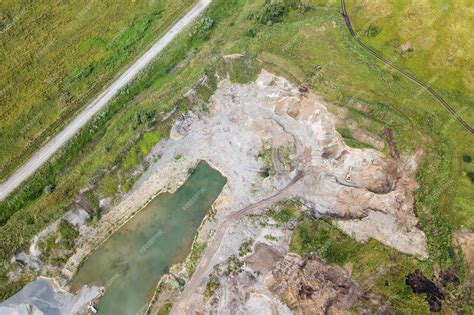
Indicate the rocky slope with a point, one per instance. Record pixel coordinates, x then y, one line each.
261 136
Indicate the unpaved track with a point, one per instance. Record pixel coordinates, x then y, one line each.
47 151
422 84
201 271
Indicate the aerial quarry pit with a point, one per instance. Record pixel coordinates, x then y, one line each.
273 142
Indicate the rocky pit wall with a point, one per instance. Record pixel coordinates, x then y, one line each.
370 195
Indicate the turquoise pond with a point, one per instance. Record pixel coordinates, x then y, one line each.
130 263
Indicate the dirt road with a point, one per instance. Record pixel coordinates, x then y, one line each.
205 263
422 84
47 151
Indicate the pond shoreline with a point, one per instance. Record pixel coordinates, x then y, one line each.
159 235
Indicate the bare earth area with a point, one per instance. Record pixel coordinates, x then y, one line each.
273 142
303 157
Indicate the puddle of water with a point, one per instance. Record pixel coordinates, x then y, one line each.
130 263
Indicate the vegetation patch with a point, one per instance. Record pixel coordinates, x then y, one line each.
165 309
321 238
194 256
57 248
272 12
351 142
382 271
233 265
211 286
271 238
286 211
246 248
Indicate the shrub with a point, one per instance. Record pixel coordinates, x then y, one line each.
234 265
251 33
50 188
201 30
211 286
471 176
245 248
272 12
372 31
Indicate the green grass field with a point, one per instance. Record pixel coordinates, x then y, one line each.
309 46
431 39
56 56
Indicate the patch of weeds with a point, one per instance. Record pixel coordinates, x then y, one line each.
178 157
202 28
266 156
271 13
285 212
243 70
357 144
196 252
252 32
211 286
245 248
131 160
165 309
57 248
346 133
233 265
372 30
320 237
143 117
147 142
271 237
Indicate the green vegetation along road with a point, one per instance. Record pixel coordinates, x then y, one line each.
38 159
309 45
56 58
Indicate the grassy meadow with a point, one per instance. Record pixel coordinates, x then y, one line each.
308 43
431 39
56 56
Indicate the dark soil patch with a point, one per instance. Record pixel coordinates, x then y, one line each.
420 284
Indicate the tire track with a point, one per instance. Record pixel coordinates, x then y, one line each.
412 78
181 307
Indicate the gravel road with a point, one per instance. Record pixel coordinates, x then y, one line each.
47 151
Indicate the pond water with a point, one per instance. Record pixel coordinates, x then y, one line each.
130 263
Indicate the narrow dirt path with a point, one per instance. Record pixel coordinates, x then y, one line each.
182 307
412 78
50 148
